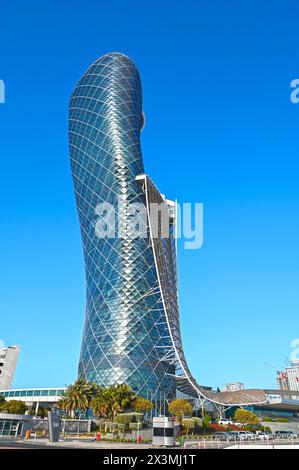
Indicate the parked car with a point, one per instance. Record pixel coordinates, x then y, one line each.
222 436
263 436
239 436
246 435
285 435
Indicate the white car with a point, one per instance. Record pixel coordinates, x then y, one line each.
241 436
225 422
246 435
263 436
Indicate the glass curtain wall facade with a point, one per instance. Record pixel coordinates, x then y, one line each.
132 331
125 333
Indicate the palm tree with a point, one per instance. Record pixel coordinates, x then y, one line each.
73 400
78 396
112 400
99 406
121 398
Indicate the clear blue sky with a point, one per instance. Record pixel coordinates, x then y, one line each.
220 129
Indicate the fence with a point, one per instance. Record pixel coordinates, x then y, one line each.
213 443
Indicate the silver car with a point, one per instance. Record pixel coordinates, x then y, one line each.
222 436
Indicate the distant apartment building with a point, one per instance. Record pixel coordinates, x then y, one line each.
8 361
234 386
288 379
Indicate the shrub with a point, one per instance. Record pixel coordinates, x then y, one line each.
217 427
252 428
124 418
136 416
122 427
198 422
233 427
282 420
188 423
111 426
206 420
135 426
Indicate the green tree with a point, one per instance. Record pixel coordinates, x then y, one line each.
142 405
78 396
206 421
2 402
189 424
41 412
15 407
246 417
112 400
124 418
100 406
180 408
121 397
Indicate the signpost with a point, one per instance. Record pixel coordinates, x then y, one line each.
53 426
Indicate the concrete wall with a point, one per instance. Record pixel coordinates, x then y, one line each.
70 426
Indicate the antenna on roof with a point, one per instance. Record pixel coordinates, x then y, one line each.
273 367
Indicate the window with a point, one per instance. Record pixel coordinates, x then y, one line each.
161 432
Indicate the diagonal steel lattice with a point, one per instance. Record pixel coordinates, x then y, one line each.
131 332
125 333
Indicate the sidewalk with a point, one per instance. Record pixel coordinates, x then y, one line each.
79 444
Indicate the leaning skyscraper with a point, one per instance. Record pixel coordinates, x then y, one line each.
131 331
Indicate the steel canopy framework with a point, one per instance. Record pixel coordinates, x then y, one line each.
166 264
132 328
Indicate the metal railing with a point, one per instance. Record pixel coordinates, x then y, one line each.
213 443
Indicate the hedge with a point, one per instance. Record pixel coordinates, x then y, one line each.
188 423
124 418
135 426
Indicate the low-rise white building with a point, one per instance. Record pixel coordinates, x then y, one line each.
234 386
